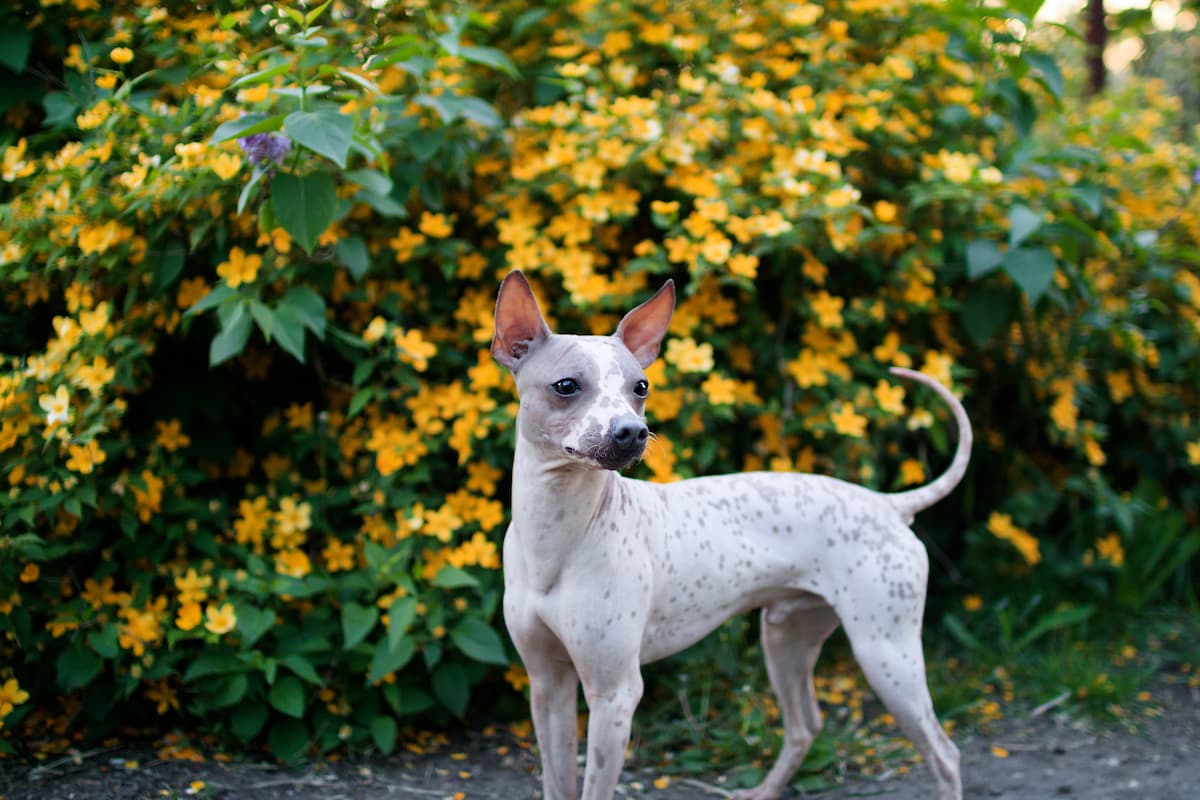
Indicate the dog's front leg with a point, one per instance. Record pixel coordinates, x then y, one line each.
610 718
553 696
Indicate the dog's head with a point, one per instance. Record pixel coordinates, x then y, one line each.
583 398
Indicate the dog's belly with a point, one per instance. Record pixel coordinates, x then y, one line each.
724 545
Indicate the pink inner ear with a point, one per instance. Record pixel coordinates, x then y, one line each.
642 330
519 322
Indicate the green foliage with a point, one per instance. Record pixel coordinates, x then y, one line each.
256 452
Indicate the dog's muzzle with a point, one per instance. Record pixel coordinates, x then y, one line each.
621 446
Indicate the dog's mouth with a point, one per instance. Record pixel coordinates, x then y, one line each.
608 456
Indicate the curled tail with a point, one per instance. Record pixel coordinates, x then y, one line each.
910 502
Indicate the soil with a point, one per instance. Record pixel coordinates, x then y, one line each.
1051 755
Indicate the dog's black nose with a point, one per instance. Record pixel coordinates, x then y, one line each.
629 433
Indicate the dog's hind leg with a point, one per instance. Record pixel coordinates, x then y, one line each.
791 638
891 658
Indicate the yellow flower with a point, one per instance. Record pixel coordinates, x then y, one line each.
375 331
413 348
170 437
240 268
30 573
94 376
911 472
719 389
192 586
405 242
972 602
885 212
436 226
94 320
516 677
1193 453
338 556
293 562
84 458
57 407
807 370
1001 526
743 265
847 422
687 356
1109 548
191 291
121 55
890 398
828 309
226 165
220 620
254 94
189 616
11 695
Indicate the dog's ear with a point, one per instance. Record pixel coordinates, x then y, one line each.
642 330
519 323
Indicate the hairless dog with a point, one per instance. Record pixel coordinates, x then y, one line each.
603 573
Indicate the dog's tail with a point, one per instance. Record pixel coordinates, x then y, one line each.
910 502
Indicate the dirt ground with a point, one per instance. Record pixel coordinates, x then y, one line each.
1052 755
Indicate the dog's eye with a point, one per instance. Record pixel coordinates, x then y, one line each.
641 388
566 387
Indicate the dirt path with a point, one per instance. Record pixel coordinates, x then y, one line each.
1049 756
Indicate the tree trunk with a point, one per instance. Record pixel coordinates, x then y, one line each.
1097 39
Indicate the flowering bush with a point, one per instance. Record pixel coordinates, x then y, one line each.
255 449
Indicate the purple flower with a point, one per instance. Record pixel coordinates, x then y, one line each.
1196 176
265 148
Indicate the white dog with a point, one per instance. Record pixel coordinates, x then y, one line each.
603 573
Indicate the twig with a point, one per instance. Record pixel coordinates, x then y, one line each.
706 787
74 757
1053 702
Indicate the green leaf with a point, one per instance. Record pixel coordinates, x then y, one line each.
388 657
262 75
304 205
359 401
383 733
231 690
264 317
77 667
248 719
357 622
252 623
289 331
287 696
400 618
479 641
302 667
219 294
1072 615
959 631
309 308
327 132
246 125
352 251
986 311
232 338
1022 223
983 256
1047 67
167 265
105 642
451 577
1032 269
490 57
288 740
452 107
451 687
213 663
316 13
14 48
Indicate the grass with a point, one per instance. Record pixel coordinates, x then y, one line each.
712 711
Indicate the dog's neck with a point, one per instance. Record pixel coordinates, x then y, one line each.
554 504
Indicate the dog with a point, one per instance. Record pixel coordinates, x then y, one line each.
603 573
